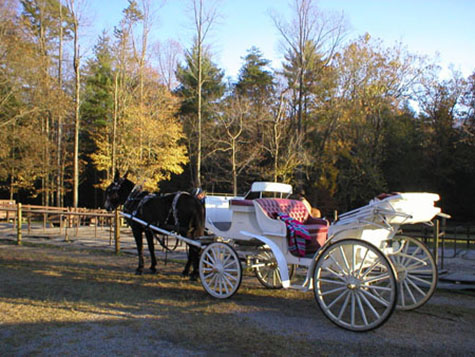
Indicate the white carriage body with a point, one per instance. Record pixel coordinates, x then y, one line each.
375 223
381 218
359 271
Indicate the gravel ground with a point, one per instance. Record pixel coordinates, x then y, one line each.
443 327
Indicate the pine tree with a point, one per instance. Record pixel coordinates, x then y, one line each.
255 81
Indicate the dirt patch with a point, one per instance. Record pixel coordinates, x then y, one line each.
56 300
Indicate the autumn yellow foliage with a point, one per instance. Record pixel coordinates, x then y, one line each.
148 140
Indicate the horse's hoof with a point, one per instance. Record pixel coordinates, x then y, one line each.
153 271
185 274
193 277
138 272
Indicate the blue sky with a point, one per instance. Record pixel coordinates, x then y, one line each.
426 27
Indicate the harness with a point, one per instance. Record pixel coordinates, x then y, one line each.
142 201
173 212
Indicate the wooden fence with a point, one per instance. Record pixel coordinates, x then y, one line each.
451 238
66 218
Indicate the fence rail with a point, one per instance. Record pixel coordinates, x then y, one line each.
65 217
450 236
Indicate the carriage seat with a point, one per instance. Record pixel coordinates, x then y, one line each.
316 227
241 203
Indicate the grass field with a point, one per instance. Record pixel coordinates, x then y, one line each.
88 302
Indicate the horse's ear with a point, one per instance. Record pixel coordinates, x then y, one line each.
117 175
126 173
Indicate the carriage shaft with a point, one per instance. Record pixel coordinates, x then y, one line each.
163 231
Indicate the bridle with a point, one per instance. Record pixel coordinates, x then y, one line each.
113 189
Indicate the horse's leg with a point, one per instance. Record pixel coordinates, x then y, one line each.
137 232
186 271
151 248
194 258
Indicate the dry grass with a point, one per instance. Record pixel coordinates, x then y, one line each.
46 290
83 302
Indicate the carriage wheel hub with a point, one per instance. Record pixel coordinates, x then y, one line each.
219 268
401 271
353 283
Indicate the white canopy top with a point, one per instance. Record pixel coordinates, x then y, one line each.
271 187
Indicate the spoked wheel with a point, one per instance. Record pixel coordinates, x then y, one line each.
416 272
220 270
355 285
267 270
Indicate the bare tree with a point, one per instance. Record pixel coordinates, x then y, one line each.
309 31
74 10
235 136
203 20
276 135
168 56
59 134
311 38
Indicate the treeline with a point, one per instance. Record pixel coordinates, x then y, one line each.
343 119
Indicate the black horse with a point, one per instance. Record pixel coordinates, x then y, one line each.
179 212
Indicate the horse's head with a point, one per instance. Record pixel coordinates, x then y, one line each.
118 191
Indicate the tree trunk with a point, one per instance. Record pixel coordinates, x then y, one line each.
234 171
114 123
200 84
59 134
12 179
76 105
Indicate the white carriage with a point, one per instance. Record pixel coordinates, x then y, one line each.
358 268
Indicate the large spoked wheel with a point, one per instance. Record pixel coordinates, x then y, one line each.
416 273
355 285
220 270
267 270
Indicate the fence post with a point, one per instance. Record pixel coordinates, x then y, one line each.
117 231
442 234
28 220
15 221
436 241
19 220
45 217
77 220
